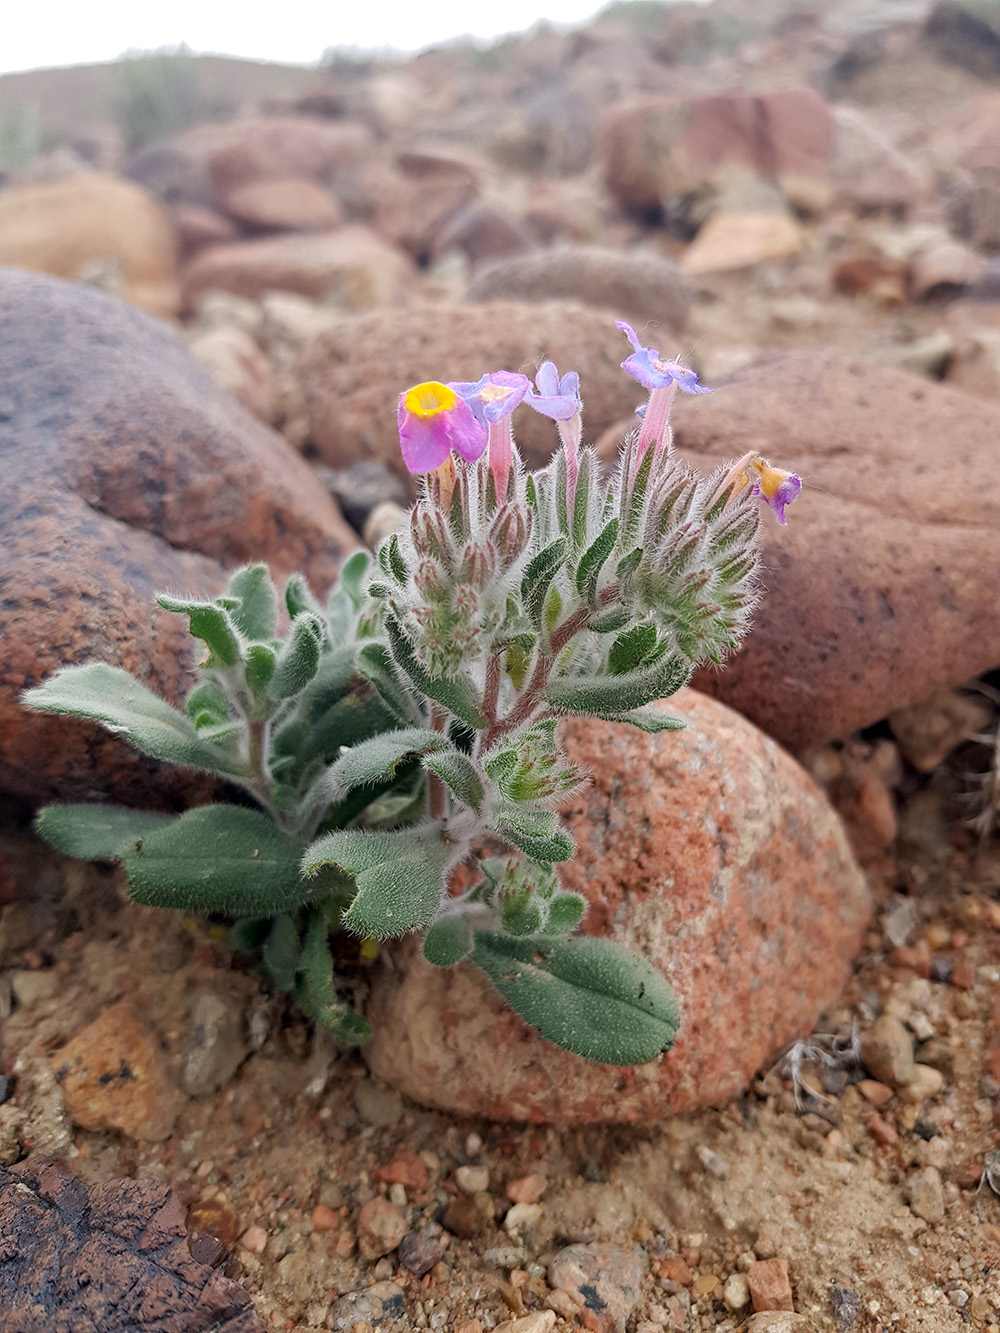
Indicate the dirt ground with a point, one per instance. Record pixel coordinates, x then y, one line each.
279 1162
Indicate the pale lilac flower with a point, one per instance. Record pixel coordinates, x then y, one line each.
434 420
646 366
556 398
494 396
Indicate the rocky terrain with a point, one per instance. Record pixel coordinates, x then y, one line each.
203 337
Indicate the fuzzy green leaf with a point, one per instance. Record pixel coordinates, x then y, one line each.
95 832
377 760
281 951
606 622
298 660
458 773
207 706
456 693
299 598
650 720
256 612
589 996
631 649
316 992
566 911
260 663
602 695
538 577
535 832
592 562
448 941
209 622
354 575
109 695
220 858
400 876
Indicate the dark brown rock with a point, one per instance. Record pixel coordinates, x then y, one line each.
693 848
883 586
111 1259
352 375
641 286
126 471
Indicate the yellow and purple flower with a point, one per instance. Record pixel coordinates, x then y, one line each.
776 487
434 419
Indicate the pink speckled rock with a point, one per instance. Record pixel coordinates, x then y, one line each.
708 850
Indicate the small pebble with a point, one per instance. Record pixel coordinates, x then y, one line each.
381 1226
324 1218
30 988
926 1082
711 1161
770 1288
529 1189
736 1292
959 1299
254 1239
875 1093
924 1192
419 1252
472 1179
703 1284
845 1305
887 1051
539 1321
522 1217
377 1105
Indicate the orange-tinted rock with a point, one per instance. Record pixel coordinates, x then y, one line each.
96 228
663 148
351 266
352 376
770 1288
126 471
641 286
113 1076
284 205
883 586
707 850
739 240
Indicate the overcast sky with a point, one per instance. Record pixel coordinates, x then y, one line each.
74 32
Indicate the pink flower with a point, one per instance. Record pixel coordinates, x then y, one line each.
434 420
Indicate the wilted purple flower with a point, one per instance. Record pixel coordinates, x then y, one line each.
776 487
556 398
433 420
645 366
493 397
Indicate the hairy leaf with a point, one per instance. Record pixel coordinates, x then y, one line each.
209 622
298 660
458 773
281 951
631 649
95 832
109 695
589 996
448 941
400 876
592 562
602 695
538 577
536 832
377 759
316 991
456 693
220 858
256 613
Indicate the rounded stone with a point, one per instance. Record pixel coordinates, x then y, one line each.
126 472
883 587
352 375
710 852
640 285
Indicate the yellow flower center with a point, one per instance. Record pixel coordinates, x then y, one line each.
771 478
430 399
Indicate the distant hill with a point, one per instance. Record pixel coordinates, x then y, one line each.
64 104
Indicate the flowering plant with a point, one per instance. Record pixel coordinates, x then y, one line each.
410 723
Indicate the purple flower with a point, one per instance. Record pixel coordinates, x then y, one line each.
645 366
494 396
556 398
433 420
776 487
